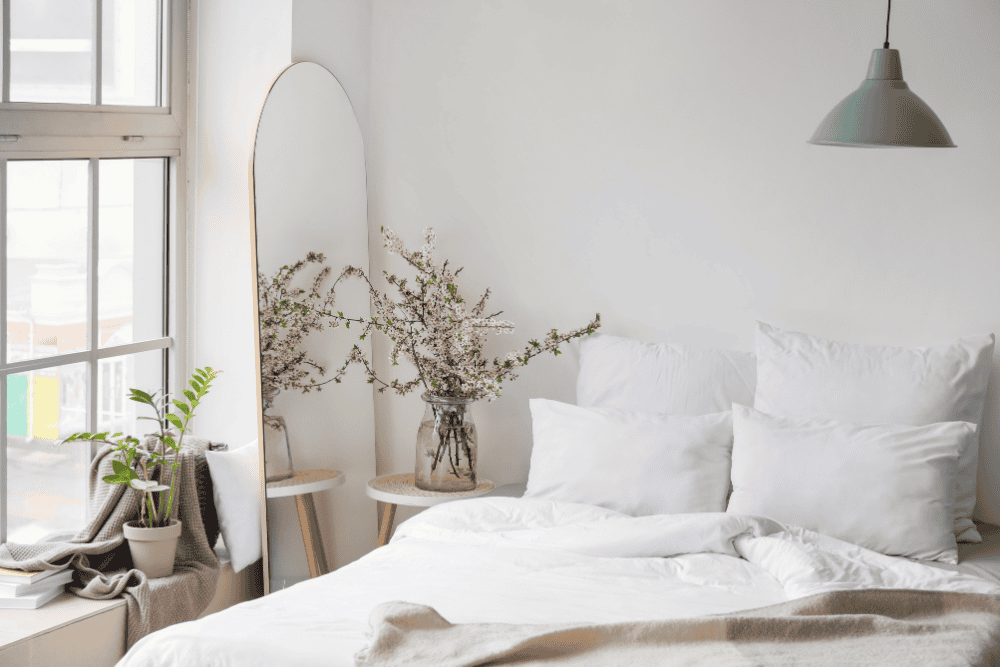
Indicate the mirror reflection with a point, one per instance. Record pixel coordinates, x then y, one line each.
310 215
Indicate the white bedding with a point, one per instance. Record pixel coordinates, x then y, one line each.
535 561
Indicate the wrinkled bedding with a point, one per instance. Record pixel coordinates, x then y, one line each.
506 560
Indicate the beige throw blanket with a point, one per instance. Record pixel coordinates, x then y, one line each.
887 628
101 557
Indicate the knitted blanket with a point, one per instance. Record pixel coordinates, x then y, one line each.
101 558
860 628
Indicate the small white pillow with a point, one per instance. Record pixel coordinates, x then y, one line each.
808 376
651 377
637 463
885 488
236 486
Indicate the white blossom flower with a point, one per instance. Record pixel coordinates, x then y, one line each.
429 326
287 315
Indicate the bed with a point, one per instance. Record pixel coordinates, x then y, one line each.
744 511
508 560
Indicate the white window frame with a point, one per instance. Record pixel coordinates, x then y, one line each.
95 131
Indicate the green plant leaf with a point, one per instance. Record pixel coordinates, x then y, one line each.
140 396
175 420
170 442
118 467
190 396
111 479
182 407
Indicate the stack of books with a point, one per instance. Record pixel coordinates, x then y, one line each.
30 590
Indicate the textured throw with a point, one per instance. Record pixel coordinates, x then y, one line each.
882 627
101 558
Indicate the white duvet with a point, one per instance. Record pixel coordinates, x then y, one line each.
532 561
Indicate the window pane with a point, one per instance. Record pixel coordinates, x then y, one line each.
130 44
116 376
46 257
47 484
130 265
51 50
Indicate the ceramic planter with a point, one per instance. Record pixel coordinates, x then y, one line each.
153 549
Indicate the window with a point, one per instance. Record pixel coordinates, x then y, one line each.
92 128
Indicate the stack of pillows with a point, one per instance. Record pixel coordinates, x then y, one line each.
876 446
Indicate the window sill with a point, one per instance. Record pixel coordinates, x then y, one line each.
69 627
39 636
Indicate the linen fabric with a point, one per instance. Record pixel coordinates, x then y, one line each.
821 631
803 375
514 560
236 481
885 488
653 377
638 463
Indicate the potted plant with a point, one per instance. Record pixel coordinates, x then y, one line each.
153 536
429 326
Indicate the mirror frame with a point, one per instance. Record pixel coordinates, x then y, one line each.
265 551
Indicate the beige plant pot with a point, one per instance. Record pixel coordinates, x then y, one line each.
153 549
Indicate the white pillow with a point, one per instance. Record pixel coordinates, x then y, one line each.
799 374
236 484
638 463
885 488
650 377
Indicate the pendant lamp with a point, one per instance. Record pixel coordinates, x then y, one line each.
883 111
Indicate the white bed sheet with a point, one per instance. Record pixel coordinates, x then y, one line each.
534 561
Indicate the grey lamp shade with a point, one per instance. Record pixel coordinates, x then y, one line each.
883 112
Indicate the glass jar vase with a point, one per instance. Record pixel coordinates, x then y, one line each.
446 445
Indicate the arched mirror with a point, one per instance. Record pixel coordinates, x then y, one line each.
309 203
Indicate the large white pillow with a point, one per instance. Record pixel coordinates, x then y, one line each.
885 488
652 377
236 486
799 374
639 463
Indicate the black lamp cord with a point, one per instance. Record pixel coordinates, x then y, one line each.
888 12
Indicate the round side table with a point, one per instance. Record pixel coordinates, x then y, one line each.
399 490
302 485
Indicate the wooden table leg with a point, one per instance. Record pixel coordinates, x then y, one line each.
311 538
385 532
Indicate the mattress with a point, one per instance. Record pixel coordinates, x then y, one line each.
530 561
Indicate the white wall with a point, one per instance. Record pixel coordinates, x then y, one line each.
228 94
226 98
648 160
337 35
239 48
